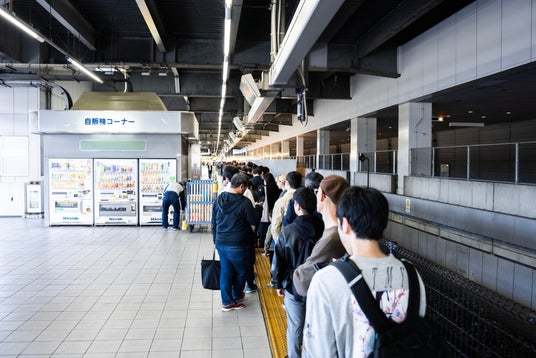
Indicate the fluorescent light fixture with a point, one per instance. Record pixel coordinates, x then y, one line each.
440 119
228 3
162 73
508 113
146 72
21 25
226 37
466 124
223 90
83 69
222 105
225 70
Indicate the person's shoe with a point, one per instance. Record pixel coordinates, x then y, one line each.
164 228
240 299
175 229
233 307
251 289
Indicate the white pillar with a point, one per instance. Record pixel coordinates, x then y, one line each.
414 131
299 146
362 139
285 148
322 144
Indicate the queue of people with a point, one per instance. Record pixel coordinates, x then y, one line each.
323 242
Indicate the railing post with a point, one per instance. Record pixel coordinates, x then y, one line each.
375 160
341 161
468 162
517 163
332 157
433 162
394 162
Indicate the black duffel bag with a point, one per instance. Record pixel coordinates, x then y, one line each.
210 273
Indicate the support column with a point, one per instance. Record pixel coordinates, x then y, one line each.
362 140
299 146
322 145
285 148
276 150
414 131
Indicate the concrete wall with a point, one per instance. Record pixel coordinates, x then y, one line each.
499 31
499 197
16 120
381 182
278 166
498 269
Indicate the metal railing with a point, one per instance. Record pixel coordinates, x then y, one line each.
475 321
307 161
503 162
381 161
339 161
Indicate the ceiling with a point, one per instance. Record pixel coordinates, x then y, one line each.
192 31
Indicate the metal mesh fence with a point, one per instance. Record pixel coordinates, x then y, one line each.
475 321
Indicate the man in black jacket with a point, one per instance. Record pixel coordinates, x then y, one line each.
294 246
233 218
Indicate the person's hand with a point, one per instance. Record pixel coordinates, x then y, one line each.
281 292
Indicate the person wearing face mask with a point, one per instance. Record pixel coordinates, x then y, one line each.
233 220
336 325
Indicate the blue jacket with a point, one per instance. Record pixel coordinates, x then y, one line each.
232 218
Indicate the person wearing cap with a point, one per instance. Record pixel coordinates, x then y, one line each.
329 246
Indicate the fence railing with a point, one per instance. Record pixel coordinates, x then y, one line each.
307 161
339 161
381 161
503 162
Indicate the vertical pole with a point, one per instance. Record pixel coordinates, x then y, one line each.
433 162
375 154
394 162
517 163
468 162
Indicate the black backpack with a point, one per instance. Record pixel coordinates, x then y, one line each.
414 337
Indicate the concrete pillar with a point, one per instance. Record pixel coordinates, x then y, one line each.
414 131
285 148
322 145
276 150
299 146
362 139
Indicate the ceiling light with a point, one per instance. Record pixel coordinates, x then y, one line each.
470 111
225 70
162 73
440 119
448 116
223 90
390 127
146 72
228 3
483 117
466 124
107 70
21 25
508 113
227 37
83 69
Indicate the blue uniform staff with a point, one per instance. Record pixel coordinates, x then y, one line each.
171 198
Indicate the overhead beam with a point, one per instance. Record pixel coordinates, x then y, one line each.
151 24
236 11
67 15
401 17
340 19
309 21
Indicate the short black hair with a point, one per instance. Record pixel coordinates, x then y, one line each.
265 170
306 199
229 171
257 170
239 179
313 179
366 210
294 179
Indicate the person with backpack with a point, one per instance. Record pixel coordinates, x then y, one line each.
368 302
294 246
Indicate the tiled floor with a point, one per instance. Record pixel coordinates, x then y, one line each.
115 292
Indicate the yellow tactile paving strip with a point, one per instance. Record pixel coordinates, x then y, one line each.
275 318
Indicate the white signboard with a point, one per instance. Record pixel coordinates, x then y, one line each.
105 122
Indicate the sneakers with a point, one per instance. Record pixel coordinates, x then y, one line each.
175 229
251 289
233 307
164 228
240 299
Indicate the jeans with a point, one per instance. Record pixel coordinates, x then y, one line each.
250 280
295 321
170 199
235 265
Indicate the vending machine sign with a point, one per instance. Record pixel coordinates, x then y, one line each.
116 188
70 191
155 174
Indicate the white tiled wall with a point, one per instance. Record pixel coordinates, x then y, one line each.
16 107
486 37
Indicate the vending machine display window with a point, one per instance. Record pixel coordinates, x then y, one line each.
155 174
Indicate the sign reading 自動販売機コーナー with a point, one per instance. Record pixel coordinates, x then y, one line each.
93 122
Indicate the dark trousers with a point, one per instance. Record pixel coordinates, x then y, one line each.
262 230
235 265
170 199
251 272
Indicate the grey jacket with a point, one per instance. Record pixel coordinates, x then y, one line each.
329 247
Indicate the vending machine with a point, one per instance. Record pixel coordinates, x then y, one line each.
155 174
116 191
70 191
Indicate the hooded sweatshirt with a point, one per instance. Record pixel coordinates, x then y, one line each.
232 218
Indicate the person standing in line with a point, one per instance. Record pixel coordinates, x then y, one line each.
233 218
329 246
312 181
293 181
293 247
335 324
171 198
228 172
